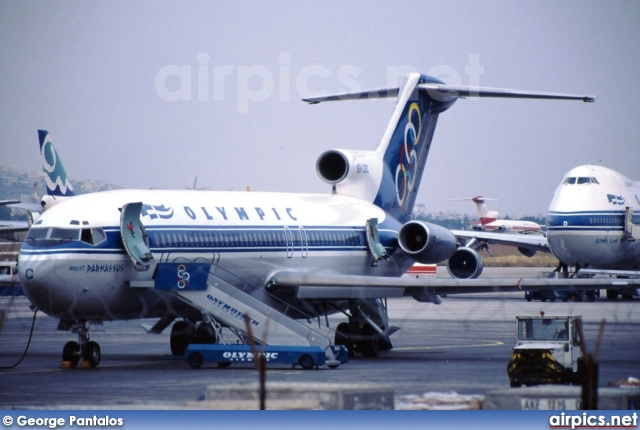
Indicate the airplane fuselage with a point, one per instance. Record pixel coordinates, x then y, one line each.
74 266
512 226
587 216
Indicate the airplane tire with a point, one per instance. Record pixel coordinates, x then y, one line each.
370 345
70 356
195 360
205 334
342 337
306 362
180 337
92 354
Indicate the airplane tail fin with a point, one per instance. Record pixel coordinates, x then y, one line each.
58 183
390 176
484 214
59 187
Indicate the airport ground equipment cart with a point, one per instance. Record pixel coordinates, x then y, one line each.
547 351
307 357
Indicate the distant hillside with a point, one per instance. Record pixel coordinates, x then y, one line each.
16 184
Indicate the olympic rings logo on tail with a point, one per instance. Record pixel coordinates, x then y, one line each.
406 170
183 277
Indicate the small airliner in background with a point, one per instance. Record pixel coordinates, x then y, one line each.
489 220
281 262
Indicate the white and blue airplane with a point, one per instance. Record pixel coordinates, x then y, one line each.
593 224
272 260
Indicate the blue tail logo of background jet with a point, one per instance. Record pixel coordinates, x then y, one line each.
57 182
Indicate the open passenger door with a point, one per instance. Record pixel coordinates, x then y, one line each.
134 236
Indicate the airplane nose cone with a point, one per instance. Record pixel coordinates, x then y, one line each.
35 287
37 282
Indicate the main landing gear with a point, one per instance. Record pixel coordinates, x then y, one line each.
364 340
85 349
367 331
184 333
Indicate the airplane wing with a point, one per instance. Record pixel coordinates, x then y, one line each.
13 226
337 286
8 202
532 242
17 226
18 204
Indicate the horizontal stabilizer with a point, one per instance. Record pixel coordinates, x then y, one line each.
461 91
369 94
444 91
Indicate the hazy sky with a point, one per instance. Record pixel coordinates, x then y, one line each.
152 94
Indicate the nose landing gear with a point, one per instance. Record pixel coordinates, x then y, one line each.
85 349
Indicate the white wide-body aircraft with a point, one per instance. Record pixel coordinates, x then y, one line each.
593 228
271 260
593 223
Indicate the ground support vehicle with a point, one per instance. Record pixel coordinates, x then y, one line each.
307 357
547 351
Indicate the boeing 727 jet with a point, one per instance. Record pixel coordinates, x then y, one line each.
489 220
214 260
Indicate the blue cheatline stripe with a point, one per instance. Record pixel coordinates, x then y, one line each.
222 240
588 220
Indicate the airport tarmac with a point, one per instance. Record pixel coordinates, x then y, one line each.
462 345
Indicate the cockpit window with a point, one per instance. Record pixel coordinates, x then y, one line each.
571 180
588 181
38 233
93 236
65 233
